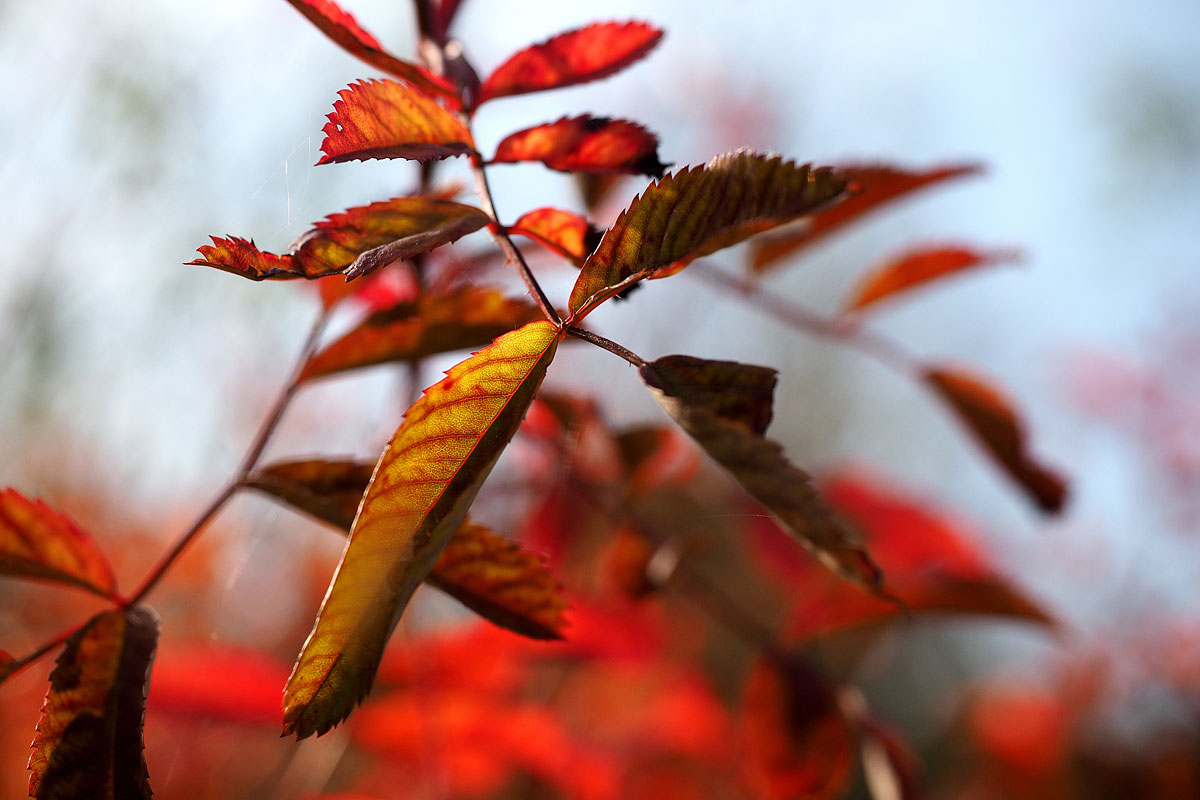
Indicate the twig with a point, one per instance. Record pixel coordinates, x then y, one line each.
16 665
607 344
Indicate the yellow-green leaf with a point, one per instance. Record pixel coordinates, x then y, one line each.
486 572
725 407
89 739
38 542
423 484
435 323
695 212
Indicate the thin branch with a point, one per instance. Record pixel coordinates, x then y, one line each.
846 332
18 664
607 344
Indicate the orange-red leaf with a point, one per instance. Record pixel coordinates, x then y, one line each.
6 665
563 232
797 744
934 564
356 241
423 484
494 577
725 407
695 212
211 681
436 323
386 119
38 542
586 54
585 144
990 417
89 739
346 32
916 268
869 188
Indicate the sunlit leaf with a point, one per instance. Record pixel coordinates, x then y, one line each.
796 742
563 232
586 54
386 119
934 563
419 495
869 188
346 32
495 578
484 571
436 323
356 241
89 739
38 542
695 212
725 407
990 417
585 144
917 268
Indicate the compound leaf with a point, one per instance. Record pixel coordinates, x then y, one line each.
916 268
417 498
578 56
89 739
563 232
869 188
435 323
386 119
342 28
725 406
38 542
695 212
585 144
990 417
356 241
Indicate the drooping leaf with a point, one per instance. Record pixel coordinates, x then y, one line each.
585 54
419 495
695 212
386 119
916 268
869 188
585 144
38 542
89 739
797 743
436 323
346 32
563 232
725 407
484 571
356 241
934 564
990 417
497 579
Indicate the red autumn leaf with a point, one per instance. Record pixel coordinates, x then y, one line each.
585 144
495 578
89 739
436 323
346 32
356 241
586 54
217 682
563 232
795 739
38 542
695 212
869 188
386 119
916 268
934 564
990 417
6 665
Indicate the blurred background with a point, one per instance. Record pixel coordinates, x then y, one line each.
132 383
